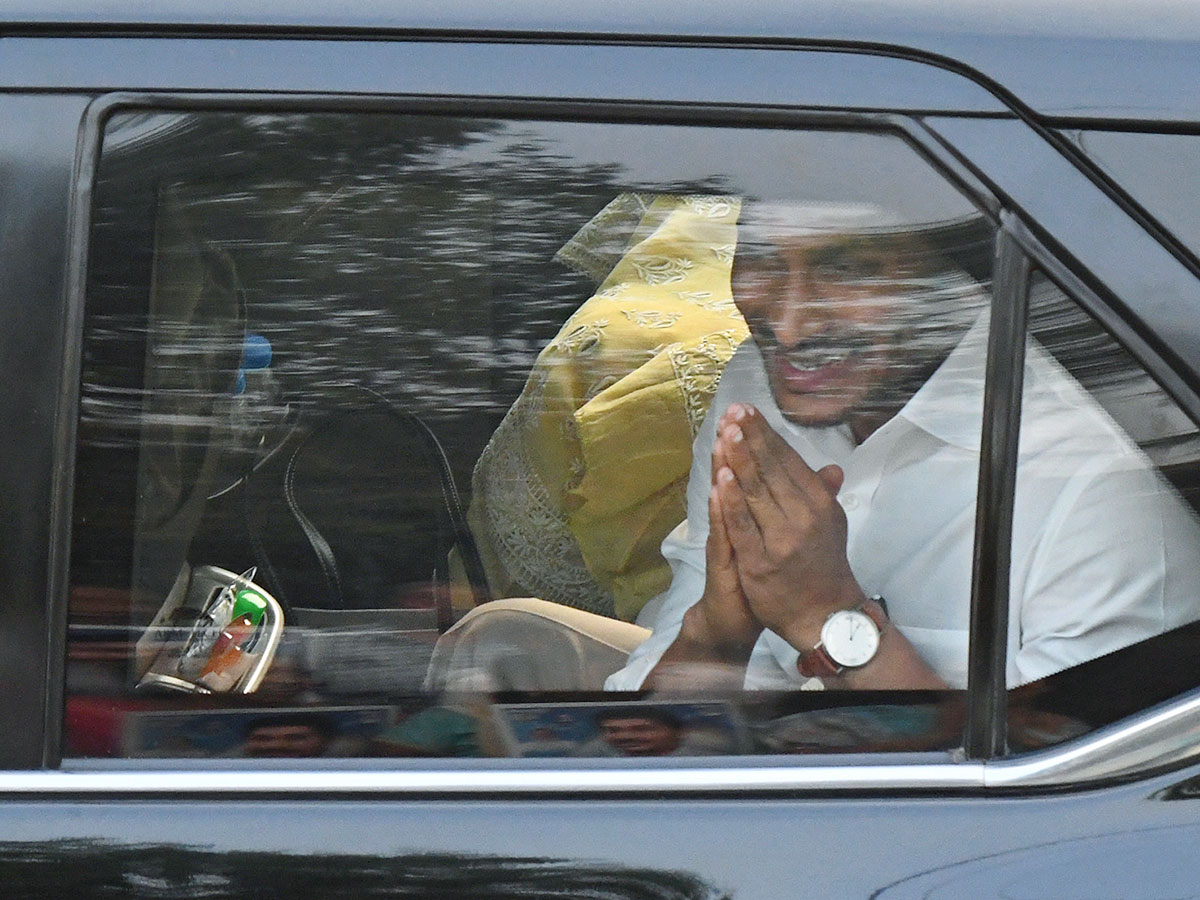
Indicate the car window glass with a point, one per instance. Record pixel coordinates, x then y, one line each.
1158 171
397 434
1105 625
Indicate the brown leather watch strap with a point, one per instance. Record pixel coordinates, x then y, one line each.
876 610
817 663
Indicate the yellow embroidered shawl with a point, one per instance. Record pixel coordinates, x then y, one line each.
587 473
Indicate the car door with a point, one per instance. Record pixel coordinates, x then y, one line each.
385 215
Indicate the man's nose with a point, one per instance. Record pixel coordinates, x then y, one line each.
800 311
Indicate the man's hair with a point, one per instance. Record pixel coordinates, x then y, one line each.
949 261
962 243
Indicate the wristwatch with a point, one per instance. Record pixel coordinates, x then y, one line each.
849 639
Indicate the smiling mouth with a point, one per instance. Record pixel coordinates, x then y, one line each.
817 365
814 359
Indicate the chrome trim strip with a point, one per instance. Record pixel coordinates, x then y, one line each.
1168 735
1164 736
565 782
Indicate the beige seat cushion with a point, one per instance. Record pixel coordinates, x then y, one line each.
526 644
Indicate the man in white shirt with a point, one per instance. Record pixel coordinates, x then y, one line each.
831 502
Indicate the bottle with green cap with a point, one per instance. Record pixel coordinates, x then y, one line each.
250 603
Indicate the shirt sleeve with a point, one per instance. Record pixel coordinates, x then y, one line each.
683 549
1115 566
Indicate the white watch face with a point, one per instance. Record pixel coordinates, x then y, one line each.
850 637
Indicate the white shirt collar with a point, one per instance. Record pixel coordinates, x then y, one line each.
949 405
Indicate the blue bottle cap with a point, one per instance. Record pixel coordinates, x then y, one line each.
256 352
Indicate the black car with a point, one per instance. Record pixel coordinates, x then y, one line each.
535 450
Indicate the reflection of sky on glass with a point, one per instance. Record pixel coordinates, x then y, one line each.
1159 170
764 163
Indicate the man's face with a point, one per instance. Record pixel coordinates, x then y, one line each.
829 314
637 736
279 741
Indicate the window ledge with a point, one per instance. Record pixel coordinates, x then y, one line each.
1159 738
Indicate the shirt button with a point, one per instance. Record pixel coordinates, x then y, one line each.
849 501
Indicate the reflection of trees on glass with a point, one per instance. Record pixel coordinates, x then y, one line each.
96 869
413 254
239 188
409 254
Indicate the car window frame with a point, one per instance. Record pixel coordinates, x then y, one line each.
103 108
852 772
36 198
57 64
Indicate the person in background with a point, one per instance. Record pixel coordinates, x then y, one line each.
296 736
